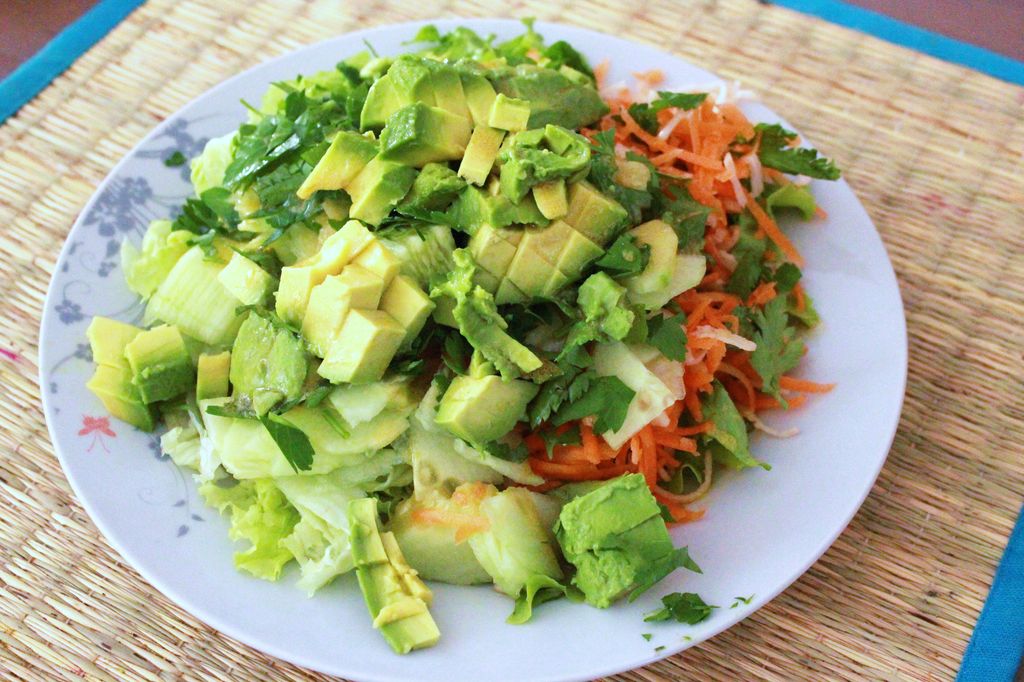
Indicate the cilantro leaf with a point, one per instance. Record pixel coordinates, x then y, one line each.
572 383
776 153
778 350
749 252
679 100
625 257
687 216
645 116
786 277
668 335
603 169
607 399
176 159
553 438
294 444
504 451
685 607
728 441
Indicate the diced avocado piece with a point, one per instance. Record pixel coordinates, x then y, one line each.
553 97
448 92
477 206
555 284
430 545
297 244
329 303
363 349
269 363
546 242
486 280
381 101
515 545
437 467
509 293
577 253
246 281
444 311
529 159
113 386
552 199
460 410
405 301
364 286
160 363
479 97
481 153
688 271
107 339
509 113
652 396
340 248
425 251
348 154
395 596
194 300
617 540
530 270
212 375
297 283
360 404
434 189
632 174
378 260
378 188
418 134
594 215
493 249
664 243
413 78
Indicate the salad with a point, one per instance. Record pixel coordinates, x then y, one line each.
469 314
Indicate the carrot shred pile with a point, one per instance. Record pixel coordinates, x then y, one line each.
699 146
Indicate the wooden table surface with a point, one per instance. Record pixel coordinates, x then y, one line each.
27 25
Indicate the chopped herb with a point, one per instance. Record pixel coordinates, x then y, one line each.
679 100
659 648
553 438
668 335
294 444
786 277
647 636
776 153
625 257
506 452
685 607
607 399
176 159
778 350
741 600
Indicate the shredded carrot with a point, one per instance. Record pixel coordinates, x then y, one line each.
801 298
803 385
763 293
674 440
765 402
574 472
765 222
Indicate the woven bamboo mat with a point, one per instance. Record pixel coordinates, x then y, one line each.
935 151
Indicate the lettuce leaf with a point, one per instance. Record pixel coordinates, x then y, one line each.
728 440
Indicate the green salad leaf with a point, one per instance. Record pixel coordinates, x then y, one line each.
728 441
606 399
668 335
625 257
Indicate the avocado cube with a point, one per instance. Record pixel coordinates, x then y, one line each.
559 139
381 101
479 97
379 260
547 242
246 281
107 339
413 78
160 363
461 409
486 281
348 154
481 153
405 301
491 251
212 375
551 199
434 189
298 243
577 253
363 349
297 283
594 215
509 113
330 301
269 363
378 188
364 286
509 293
418 134
448 93
113 386
530 271
444 312
341 248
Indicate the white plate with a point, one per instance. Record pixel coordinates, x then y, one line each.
762 530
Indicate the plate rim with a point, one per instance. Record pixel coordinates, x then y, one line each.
271 648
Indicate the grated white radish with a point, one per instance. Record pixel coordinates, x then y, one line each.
768 430
756 174
730 168
725 336
670 127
